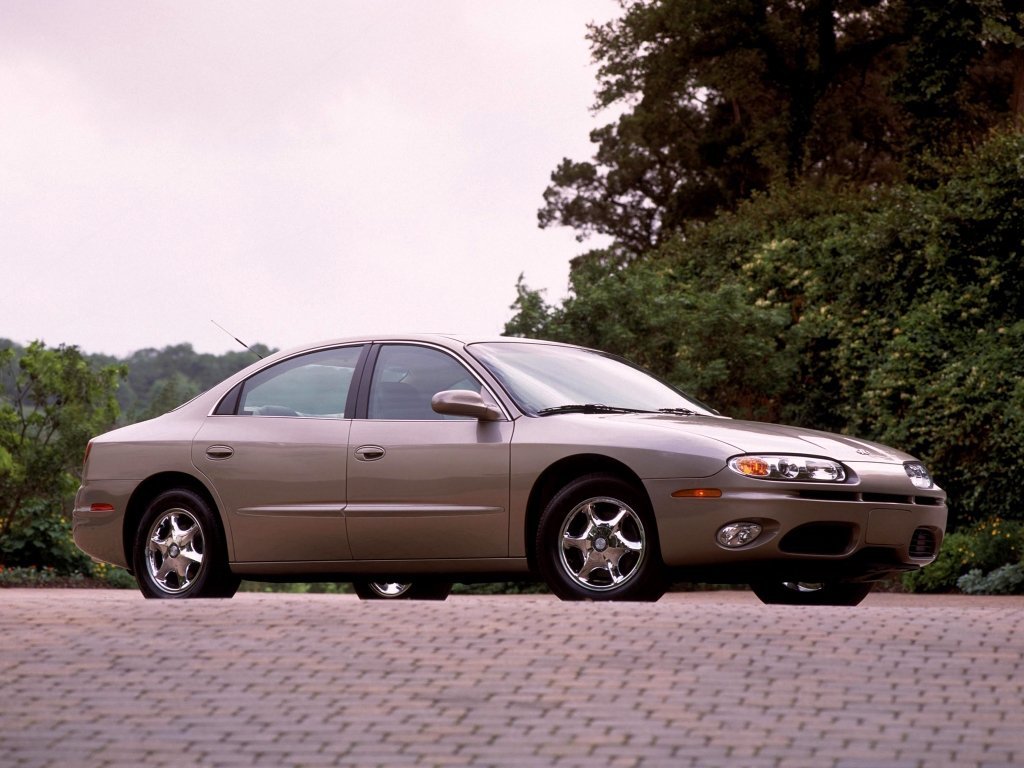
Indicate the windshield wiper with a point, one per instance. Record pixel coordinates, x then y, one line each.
587 408
678 411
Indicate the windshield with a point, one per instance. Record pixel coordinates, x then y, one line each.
545 378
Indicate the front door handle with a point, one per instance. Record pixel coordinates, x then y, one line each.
217 452
369 452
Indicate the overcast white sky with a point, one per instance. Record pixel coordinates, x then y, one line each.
294 171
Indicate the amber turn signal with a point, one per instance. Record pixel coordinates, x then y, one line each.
697 493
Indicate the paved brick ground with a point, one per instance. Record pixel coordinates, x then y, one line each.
95 678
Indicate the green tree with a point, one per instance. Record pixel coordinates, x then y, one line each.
962 73
167 394
720 99
53 402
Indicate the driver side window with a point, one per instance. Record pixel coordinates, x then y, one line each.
405 379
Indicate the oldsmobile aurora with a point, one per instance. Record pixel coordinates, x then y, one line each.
404 464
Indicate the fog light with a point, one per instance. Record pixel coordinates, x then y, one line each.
738 534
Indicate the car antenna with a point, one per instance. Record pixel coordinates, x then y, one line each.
236 338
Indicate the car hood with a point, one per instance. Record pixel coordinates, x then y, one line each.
758 437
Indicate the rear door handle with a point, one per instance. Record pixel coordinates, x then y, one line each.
369 452
217 452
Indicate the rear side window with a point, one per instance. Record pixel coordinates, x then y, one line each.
315 385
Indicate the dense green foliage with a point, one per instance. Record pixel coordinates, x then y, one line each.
717 100
52 402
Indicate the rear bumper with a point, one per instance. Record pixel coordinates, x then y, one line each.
100 532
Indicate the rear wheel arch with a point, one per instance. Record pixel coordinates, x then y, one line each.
152 487
558 476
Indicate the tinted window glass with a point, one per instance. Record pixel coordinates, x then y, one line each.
405 379
314 385
539 376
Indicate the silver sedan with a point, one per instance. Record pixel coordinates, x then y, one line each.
405 464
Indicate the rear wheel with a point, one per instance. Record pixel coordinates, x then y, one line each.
811 593
597 541
179 550
401 590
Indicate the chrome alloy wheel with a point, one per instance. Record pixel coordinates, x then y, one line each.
174 553
603 543
390 589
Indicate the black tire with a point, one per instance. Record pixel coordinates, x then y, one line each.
368 589
805 593
596 540
179 550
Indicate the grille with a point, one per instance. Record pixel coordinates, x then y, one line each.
869 498
824 495
887 498
922 543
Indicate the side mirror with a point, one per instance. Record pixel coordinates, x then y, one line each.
464 402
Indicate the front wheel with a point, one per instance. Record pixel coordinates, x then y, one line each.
811 593
597 541
179 550
401 590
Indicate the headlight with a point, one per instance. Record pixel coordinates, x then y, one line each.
918 475
796 468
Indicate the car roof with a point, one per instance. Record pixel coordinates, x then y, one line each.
444 339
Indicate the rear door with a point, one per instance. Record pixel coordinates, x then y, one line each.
276 455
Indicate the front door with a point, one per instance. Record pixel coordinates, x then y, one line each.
422 485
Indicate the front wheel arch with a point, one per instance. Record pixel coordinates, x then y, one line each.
597 539
564 471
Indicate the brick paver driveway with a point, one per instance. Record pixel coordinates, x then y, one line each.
97 678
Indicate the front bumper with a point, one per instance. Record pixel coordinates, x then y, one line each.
865 530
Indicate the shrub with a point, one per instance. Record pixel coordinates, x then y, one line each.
112 576
43 539
1005 580
984 547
